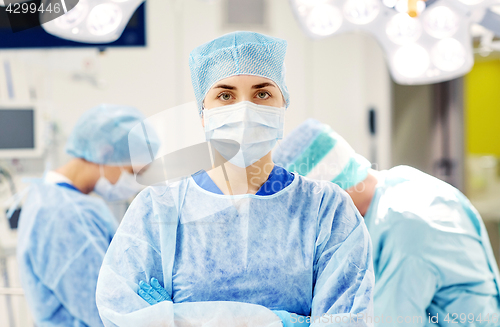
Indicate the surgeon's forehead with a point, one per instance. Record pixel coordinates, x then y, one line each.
244 81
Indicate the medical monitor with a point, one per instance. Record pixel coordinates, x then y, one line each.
19 132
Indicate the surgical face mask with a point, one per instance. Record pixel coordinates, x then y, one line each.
123 189
255 128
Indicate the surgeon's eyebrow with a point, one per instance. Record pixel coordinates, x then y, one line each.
224 86
262 85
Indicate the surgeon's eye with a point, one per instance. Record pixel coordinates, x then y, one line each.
225 96
263 95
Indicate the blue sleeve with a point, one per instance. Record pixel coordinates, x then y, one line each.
133 256
396 297
343 267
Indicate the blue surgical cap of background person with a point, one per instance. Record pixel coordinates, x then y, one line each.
238 53
101 134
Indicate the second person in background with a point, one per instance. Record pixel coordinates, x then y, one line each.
64 232
433 261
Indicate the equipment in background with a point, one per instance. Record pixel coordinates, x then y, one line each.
20 137
425 41
12 216
372 125
20 132
92 21
5 253
133 35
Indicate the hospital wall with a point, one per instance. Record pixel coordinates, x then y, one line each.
482 130
412 126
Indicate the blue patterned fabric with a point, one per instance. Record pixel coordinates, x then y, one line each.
101 135
238 53
63 236
304 250
314 150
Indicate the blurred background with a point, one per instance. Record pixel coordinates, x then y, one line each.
381 79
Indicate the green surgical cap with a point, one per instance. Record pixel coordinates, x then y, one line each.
316 151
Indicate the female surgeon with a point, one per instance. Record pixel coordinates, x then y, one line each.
250 245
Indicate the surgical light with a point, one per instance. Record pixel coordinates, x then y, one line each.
441 22
402 6
390 3
434 45
449 55
91 21
471 2
324 19
403 29
361 11
72 17
104 19
411 60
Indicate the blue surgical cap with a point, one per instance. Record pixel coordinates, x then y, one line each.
238 53
316 151
101 134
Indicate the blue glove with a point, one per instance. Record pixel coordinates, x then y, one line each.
153 294
289 321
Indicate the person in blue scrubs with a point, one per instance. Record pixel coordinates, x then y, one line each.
64 232
433 261
247 243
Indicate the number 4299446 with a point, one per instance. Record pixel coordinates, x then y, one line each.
24 8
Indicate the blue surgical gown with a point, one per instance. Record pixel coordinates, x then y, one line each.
304 249
63 236
432 255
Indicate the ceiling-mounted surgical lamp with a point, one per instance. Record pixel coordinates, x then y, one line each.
433 46
90 21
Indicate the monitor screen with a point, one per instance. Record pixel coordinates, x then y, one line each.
17 129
